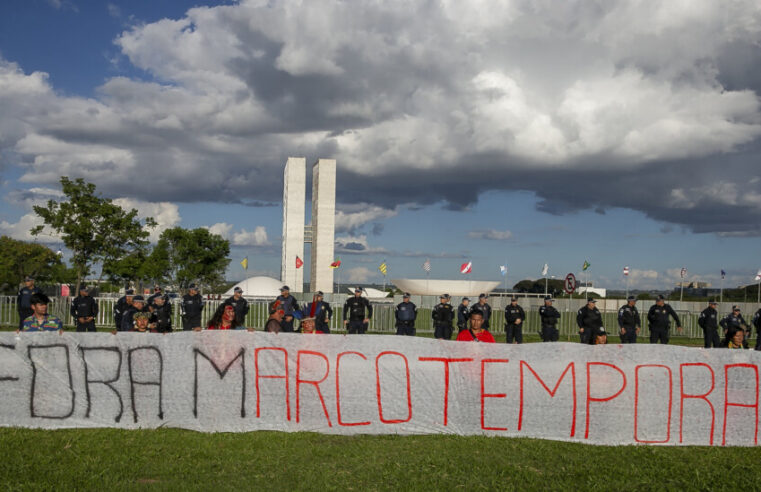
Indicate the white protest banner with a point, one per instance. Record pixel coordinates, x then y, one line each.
371 384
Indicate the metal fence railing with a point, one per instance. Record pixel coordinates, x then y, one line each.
383 316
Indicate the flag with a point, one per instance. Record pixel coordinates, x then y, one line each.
758 276
336 263
683 272
383 268
244 263
427 265
466 267
545 269
626 271
503 270
299 263
723 274
585 265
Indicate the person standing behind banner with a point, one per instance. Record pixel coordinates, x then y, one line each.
308 327
599 337
405 314
484 308
275 319
357 313
709 322
40 320
290 307
191 308
226 318
757 323
463 312
589 320
475 332
629 323
735 320
321 311
121 306
23 301
151 301
658 317
735 339
514 318
549 317
138 306
161 314
141 322
84 309
238 302
443 315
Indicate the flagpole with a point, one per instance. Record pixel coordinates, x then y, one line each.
627 286
681 289
721 290
758 292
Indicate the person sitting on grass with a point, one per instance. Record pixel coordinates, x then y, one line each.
599 337
734 338
308 327
276 317
226 318
40 320
142 321
475 332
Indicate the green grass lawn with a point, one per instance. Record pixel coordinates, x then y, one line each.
106 459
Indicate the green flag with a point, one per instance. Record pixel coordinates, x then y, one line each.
585 266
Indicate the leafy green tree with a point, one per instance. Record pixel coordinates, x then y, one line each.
21 258
93 228
184 256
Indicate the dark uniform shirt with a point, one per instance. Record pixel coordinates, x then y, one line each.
549 315
589 318
120 308
288 304
240 306
128 320
191 306
355 308
463 312
757 320
732 321
84 307
23 301
628 317
658 316
513 313
162 316
406 313
151 301
443 314
709 319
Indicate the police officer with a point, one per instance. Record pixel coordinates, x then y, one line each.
735 321
357 313
463 313
757 323
589 320
484 308
658 318
514 318
406 314
290 307
84 309
161 315
709 322
121 307
549 317
443 315
138 306
320 311
238 303
151 301
191 308
629 322
23 301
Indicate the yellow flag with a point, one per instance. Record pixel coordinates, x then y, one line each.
244 263
382 268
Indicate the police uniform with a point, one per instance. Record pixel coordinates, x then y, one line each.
549 317
84 307
736 322
128 319
463 312
322 313
514 332
443 315
151 301
757 323
191 308
24 305
628 323
290 306
406 314
658 318
485 310
240 305
709 322
356 309
590 320
121 307
162 317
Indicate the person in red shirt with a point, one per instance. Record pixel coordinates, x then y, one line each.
475 333
308 327
225 318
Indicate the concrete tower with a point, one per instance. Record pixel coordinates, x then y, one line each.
323 224
294 203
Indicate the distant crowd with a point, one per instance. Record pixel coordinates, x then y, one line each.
135 313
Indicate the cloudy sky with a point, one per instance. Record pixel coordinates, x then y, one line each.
514 132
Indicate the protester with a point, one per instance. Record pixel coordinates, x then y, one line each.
308 327
734 339
599 337
142 323
40 320
161 317
191 308
290 307
124 303
23 301
226 318
321 311
357 313
476 332
84 309
276 318
443 315
138 306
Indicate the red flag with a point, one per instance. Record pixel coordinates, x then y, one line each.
466 267
299 263
335 264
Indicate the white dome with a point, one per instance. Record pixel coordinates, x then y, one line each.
258 287
369 292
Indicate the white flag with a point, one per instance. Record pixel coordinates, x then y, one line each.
758 276
626 271
503 269
545 269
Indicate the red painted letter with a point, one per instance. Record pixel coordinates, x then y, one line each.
485 395
273 376
704 396
446 378
728 404
607 398
316 383
338 391
636 402
571 367
378 389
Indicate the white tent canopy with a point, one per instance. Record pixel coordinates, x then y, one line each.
258 287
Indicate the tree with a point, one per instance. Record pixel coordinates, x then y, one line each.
92 227
20 259
185 256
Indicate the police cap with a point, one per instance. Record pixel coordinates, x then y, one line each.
591 299
28 278
129 292
406 295
358 289
514 299
735 308
284 288
482 296
465 299
138 298
631 298
712 302
238 290
319 293
192 287
660 298
548 298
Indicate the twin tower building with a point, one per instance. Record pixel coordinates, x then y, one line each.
320 233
